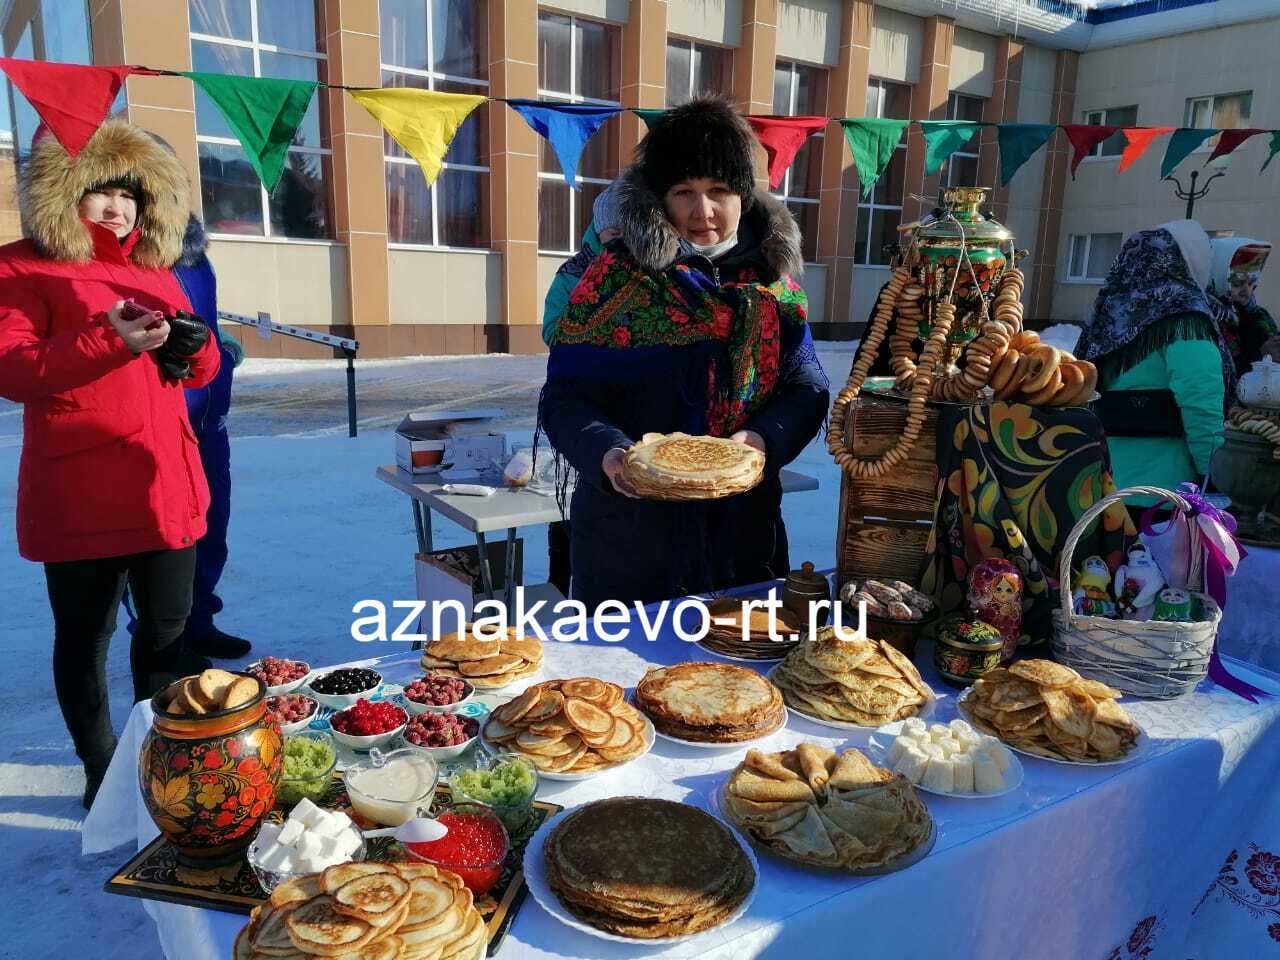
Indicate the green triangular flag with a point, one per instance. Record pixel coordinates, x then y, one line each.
1273 149
942 138
648 115
264 112
872 141
1018 141
1183 141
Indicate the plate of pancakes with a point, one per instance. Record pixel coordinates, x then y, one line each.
570 729
710 705
1045 709
738 633
687 872
676 466
851 684
484 662
374 911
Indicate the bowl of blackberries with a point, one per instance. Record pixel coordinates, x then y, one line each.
280 675
293 711
436 693
368 724
341 688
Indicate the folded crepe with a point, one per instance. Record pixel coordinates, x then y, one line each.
809 837
854 770
813 761
771 765
753 786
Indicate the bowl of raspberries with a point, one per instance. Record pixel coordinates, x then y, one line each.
280 675
368 724
443 735
293 711
436 693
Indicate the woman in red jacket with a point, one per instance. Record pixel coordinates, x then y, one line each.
110 488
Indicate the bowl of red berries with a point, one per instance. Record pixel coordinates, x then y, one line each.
443 735
368 724
280 676
293 711
436 693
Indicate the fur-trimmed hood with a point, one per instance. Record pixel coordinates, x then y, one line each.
656 245
52 184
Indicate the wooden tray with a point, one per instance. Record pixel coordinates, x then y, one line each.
155 874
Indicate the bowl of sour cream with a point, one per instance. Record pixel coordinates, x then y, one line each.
392 788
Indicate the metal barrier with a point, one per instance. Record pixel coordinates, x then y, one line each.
266 327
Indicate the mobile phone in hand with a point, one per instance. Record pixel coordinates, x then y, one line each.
133 311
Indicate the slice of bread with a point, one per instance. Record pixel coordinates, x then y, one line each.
210 687
239 692
375 898
184 702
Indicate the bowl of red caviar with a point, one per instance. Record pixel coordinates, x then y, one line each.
475 848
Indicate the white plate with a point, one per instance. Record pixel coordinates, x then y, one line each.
728 656
700 744
884 736
535 877
909 859
1140 746
496 749
925 712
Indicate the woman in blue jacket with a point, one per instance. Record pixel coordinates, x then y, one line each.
691 321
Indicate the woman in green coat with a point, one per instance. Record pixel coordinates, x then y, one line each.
1163 366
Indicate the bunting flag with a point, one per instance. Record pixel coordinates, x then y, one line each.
264 112
648 114
942 138
872 141
782 138
1018 142
71 99
1139 139
1272 150
1181 144
422 121
566 126
1231 139
1084 137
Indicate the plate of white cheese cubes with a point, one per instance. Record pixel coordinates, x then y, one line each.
311 839
950 760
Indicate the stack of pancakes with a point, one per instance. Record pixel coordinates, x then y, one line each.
728 616
676 466
809 805
485 664
1048 710
570 726
851 681
710 702
367 911
645 868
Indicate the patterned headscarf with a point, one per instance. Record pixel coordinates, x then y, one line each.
1150 281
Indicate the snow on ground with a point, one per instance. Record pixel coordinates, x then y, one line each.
312 532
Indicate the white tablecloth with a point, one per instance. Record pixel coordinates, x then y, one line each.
1081 863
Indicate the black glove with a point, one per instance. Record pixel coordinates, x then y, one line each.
187 334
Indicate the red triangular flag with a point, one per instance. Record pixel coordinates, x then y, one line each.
1084 137
782 138
1228 140
70 98
1139 139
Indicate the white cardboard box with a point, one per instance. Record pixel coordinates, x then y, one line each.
433 440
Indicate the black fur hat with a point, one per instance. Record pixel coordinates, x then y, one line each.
705 137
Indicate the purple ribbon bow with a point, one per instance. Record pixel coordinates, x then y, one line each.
1222 554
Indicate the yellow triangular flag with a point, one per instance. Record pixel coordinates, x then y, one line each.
422 121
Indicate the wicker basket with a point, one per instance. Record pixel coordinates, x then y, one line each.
1146 658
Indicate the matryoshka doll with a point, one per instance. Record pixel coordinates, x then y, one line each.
995 596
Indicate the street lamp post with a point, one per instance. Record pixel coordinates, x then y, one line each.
1191 194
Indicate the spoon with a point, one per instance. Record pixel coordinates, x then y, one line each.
418 830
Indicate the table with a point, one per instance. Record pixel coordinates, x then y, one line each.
1248 630
509 508
1078 862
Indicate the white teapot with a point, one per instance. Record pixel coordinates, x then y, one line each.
1260 387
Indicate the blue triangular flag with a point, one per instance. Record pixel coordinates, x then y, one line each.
566 126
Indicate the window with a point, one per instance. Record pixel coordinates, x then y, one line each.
696 68
577 63
1114 145
56 30
800 91
257 38
1225 111
880 213
1091 254
438 45
961 168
